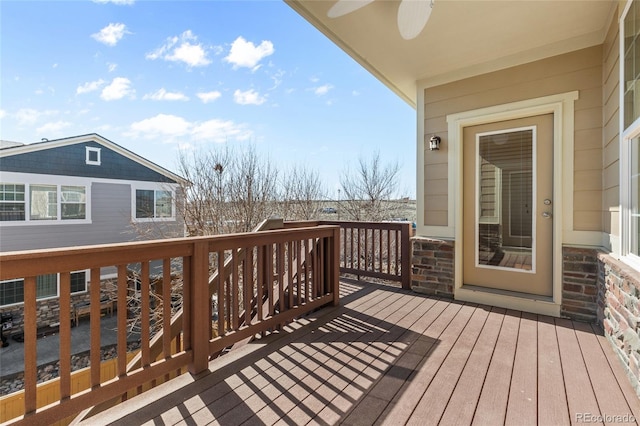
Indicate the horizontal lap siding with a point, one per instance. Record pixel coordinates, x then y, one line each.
610 132
110 223
580 70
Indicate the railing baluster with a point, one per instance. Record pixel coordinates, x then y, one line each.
65 335
270 278
280 269
298 247
289 246
94 326
247 281
145 323
221 296
166 307
123 283
30 345
305 249
234 309
388 251
260 281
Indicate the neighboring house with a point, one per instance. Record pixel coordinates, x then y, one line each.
531 201
77 191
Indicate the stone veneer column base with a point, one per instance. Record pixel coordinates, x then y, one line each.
619 312
432 268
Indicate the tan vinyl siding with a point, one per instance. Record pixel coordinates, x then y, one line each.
611 130
580 70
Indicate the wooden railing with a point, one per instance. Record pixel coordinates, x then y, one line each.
268 279
373 249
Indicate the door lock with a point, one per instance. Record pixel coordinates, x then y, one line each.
547 202
546 215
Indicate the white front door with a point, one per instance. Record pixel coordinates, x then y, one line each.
508 205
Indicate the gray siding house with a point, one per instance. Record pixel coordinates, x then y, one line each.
76 191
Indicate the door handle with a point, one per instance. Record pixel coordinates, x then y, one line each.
546 215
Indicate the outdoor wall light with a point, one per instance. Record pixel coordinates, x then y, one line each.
434 143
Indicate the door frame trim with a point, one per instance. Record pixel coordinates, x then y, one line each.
562 108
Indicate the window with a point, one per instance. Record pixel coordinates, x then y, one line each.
153 204
93 156
43 202
630 148
634 205
72 202
11 202
12 292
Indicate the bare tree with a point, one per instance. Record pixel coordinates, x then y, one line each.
252 190
370 189
301 194
228 190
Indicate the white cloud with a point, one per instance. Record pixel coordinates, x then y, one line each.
176 129
118 89
246 54
89 86
111 67
30 116
182 49
39 92
219 131
111 34
207 97
277 79
53 128
322 90
3 113
54 66
114 1
161 125
163 95
248 97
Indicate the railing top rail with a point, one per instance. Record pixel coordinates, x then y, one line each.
48 261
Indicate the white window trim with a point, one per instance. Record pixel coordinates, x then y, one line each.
59 181
153 187
88 160
57 295
627 135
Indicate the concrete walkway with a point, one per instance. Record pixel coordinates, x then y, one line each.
12 356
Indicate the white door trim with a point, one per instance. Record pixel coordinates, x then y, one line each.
562 108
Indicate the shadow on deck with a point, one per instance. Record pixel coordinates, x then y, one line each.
390 356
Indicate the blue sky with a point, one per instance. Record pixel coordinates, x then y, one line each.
161 76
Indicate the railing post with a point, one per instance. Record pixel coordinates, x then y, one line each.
334 262
199 318
406 255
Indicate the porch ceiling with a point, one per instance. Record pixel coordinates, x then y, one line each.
462 38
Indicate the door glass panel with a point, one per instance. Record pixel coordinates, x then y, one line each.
505 202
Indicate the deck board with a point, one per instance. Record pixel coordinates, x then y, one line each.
492 400
522 404
388 356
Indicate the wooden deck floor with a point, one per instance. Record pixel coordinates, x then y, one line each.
391 357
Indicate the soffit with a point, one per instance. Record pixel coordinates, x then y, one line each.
462 38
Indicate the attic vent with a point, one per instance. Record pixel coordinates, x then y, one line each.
93 156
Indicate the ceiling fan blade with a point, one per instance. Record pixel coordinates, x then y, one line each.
342 7
413 16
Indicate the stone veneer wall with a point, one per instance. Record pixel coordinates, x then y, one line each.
579 284
432 269
619 313
47 310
